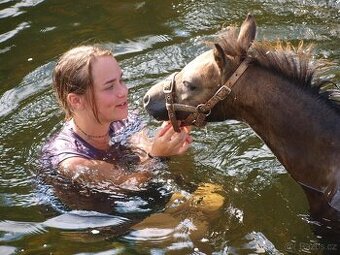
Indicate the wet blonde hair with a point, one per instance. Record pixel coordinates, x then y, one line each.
73 74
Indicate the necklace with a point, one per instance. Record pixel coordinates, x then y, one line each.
90 136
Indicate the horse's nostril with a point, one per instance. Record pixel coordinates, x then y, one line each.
146 100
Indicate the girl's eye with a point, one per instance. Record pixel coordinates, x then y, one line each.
109 87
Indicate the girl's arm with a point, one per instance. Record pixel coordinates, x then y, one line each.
94 172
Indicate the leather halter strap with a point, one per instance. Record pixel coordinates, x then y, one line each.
199 113
169 93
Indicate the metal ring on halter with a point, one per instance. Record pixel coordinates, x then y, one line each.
201 108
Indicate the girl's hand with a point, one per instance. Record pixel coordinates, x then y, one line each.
167 142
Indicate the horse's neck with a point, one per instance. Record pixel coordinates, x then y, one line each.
302 131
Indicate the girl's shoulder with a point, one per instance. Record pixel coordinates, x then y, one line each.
64 144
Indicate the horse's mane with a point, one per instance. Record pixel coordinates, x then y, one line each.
294 63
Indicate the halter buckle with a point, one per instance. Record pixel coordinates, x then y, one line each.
169 87
222 92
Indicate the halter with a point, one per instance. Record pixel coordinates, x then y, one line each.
200 112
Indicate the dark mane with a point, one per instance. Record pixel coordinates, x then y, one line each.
293 63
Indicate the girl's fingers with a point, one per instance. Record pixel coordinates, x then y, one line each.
188 139
167 142
181 143
184 148
165 123
178 138
187 129
164 128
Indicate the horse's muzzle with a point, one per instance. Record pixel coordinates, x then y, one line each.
155 106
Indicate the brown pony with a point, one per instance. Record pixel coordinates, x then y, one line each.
274 90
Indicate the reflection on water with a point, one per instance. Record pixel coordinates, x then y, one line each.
31 85
264 211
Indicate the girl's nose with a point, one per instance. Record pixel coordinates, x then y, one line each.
123 90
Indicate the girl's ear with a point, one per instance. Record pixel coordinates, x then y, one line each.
75 101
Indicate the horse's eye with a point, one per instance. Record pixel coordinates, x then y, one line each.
190 86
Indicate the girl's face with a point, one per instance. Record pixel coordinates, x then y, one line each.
110 91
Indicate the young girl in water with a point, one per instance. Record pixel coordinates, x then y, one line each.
89 86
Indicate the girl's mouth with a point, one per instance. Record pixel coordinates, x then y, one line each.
122 104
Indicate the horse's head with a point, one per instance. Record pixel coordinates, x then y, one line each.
196 84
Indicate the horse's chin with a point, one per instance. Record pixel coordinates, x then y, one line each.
157 112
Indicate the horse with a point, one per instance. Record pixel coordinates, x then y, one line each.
276 88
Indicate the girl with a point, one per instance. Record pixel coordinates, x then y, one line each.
89 86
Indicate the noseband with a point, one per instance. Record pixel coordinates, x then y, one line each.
200 112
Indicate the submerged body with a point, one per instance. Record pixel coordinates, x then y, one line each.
277 96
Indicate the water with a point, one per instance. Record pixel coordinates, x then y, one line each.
264 210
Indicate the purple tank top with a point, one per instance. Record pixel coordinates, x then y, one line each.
67 144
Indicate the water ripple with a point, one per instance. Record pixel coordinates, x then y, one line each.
73 220
20 200
15 10
21 227
7 250
33 83
115 251
84 220
137 45
8 35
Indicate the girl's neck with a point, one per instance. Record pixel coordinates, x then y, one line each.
96 134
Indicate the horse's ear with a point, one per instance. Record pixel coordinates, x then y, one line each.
219 56
247 32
